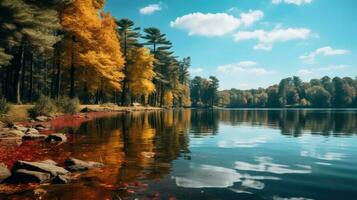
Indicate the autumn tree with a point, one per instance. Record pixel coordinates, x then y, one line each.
92 50
140 73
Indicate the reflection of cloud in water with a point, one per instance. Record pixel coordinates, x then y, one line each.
327 156
243 143
290 198
199 176
209 176
265 164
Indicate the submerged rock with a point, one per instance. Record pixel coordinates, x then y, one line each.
4 172
40 167
74 164
28 176
56 137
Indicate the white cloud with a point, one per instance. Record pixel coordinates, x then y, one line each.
296 2
317 71
250 17
207 24
150 9
324 51
248 67
195 70
266 39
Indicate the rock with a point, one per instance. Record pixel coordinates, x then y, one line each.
28 176
77 168
34 137
4 172
42 118
80 165
41 127
56 137
2 125
31 131
11 133
40 167
49 162
61 179
20 128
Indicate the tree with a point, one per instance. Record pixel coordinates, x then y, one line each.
343 93
213 90
129 43
140 73
318 96
91 47
160 48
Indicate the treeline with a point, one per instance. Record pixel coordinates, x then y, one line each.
293 92
73 48
204 92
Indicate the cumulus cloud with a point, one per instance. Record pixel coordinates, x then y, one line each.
150 9
248 67
296 2
323 51
304 72
250 17
266 39
207 24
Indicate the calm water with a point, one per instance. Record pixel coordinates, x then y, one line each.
219 154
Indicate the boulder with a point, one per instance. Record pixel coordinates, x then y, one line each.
61 179
31 131
42 118
28 176
4 172
40 167
34 137
74 164
56 137
49 162
11 133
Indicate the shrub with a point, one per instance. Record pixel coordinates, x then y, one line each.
4 106
67 105
43 106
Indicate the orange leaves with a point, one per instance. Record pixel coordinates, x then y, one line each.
92 45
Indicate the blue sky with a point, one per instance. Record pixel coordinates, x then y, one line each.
254 43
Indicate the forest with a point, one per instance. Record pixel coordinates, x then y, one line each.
293 92
73 48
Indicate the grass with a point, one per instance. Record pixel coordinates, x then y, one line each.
17 113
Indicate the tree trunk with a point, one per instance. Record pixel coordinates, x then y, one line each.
72 71
17 82
31 78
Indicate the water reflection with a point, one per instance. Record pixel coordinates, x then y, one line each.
231 152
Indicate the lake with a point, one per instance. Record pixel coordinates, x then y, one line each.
215 154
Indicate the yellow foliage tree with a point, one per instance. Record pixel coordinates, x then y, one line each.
141 72
92 47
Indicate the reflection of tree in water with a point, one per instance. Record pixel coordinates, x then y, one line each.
152 141
204 122
295 122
